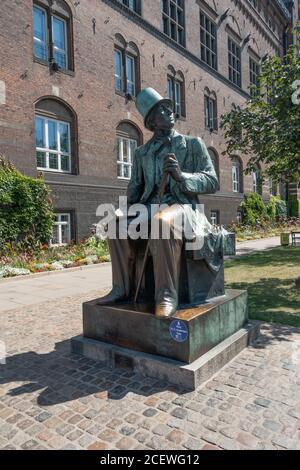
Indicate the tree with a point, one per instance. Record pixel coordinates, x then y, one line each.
267 128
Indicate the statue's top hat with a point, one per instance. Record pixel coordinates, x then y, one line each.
147 99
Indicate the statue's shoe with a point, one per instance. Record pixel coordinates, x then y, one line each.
165 310
113 297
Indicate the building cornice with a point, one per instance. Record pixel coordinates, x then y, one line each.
138 20
281 5
262 26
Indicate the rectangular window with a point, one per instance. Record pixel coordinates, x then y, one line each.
125 73
254 69
175 93
52 37
59 37
208 40
40 33
239 217
130 74
174 19
118 71
133 5
211 117
235 178
62 229
52 145
125 155
215 217
234 63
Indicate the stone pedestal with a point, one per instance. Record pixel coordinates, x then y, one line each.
186 349
188 376
188 335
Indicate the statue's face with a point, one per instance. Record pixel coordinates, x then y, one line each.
164 117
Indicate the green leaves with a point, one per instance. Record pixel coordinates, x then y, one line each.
268 127
25 207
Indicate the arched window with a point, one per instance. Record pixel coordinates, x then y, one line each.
52 33
210 110
176 91
55 133
237 175
257 181
127 70
215 160
129 138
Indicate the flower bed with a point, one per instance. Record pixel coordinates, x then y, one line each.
18 260
264 229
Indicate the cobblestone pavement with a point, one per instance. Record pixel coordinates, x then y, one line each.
51 399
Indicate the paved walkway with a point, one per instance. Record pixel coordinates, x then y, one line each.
32 290
52 399
254 246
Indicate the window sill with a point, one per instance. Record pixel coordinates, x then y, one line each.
173 40
123 95
215 131
46 63
57 172
123 179
236 84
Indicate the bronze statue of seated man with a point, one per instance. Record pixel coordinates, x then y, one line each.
184 163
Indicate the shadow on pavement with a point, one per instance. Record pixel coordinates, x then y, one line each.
61 376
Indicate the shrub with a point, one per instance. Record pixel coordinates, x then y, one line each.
25 208
281 208
253 209
272 208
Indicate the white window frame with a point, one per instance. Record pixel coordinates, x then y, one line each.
255 181
214 217
178 98
38 40
124 58
239 217
120 161
57 49
211 118
130 82
175 94
236 177
119 77
59 224
58 152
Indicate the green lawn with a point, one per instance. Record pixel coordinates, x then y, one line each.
269 277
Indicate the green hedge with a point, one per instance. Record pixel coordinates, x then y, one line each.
277 208
253 209
25 207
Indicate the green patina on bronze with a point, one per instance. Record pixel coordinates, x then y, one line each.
135 327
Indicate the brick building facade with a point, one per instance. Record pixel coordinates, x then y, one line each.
70 71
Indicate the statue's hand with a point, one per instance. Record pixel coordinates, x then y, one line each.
172 167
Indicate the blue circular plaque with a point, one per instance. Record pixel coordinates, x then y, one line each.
179 331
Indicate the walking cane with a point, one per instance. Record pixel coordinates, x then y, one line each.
161 193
